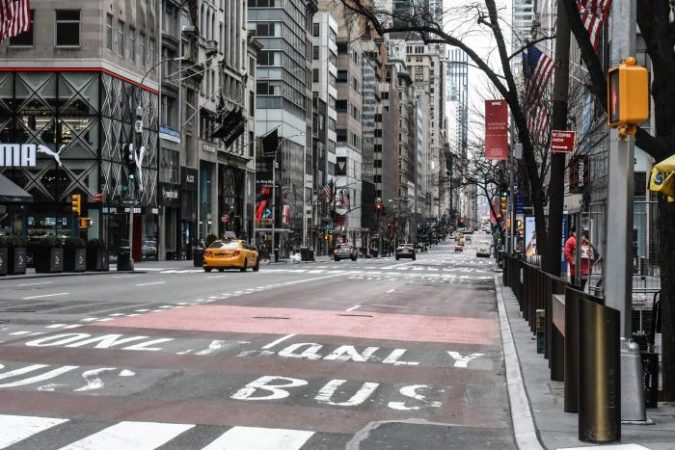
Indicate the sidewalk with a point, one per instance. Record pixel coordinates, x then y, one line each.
537 402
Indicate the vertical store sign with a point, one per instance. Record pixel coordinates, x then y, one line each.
496 130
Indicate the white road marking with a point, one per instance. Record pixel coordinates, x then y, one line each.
90 319
353 308
34 284
105 320
46 295
390 291
17 428
20 333
91 377
57 325
141 310
252 438
278 341
151 284
136 435
116 314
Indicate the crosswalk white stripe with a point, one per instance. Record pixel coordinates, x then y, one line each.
17 428
250 438
131 435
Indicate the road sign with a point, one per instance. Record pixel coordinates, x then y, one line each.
562 141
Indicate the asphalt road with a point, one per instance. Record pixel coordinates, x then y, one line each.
371 354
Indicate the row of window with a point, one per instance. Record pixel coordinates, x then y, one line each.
123 40
67 30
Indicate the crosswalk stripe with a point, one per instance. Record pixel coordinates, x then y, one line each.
136 435
251 438
17 428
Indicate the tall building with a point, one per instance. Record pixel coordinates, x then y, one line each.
458 100
283 27
72 87
324 88
522 19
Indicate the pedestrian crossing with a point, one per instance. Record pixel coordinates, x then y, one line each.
28 432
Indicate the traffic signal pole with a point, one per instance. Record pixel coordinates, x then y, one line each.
620 190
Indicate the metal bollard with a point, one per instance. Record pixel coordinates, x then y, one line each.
599 373
632 394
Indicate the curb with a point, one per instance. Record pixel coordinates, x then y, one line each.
524 429
66 274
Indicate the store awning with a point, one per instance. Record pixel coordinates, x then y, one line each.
11 193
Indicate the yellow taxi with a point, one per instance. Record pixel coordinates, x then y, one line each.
231 253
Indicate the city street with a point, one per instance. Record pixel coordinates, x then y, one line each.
371 354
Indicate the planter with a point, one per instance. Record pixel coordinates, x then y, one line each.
17 261
48 261
4 254
75 260
97 260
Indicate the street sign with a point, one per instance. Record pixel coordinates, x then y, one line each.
562 141
520 204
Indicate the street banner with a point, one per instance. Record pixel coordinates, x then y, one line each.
496 130
530 240
562 141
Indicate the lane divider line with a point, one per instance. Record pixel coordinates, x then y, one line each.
46 295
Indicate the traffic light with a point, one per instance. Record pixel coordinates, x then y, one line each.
504 198
76 203
378 206
627 95
663 178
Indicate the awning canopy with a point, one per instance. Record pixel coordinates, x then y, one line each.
11 193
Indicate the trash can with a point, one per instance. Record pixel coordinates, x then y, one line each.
276 255
197 256
124 261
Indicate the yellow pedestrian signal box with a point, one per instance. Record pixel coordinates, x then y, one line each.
663 178
627 95
86 222
76 203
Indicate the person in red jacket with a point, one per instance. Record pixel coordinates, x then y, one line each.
570 254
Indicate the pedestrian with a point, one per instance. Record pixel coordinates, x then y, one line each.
587 258
570 254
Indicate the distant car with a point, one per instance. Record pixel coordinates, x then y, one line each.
459 248
344 251
405 251
231 253
483 250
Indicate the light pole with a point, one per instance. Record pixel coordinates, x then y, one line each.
274 191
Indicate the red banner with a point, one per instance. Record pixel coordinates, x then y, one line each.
496 129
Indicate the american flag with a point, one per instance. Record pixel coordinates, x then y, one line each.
14 18
344 198
593 14
538 68
538 121
328 189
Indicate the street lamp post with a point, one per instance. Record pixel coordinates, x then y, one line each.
274 192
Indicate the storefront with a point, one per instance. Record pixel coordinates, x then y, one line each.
79 123
188 209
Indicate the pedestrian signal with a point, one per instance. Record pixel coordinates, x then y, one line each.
86 222
627 96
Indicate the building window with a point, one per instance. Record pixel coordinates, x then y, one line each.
315 75
109 31
143 55
263 29
25 38
315 52
132 44
67 27
341 106
342 76
341 134
120 38
315 29
152 49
